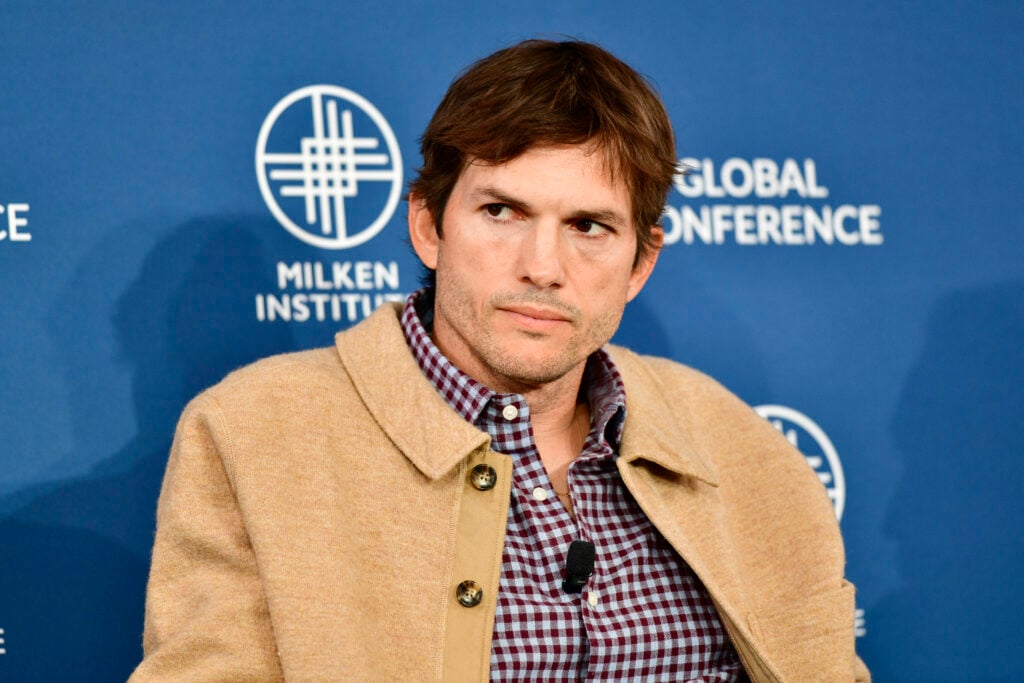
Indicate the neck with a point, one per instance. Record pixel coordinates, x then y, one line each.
555 408
561 422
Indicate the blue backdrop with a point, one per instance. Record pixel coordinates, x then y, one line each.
847 251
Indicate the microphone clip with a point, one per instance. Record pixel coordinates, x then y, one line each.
579 566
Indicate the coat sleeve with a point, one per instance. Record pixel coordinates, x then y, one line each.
206 611
862 673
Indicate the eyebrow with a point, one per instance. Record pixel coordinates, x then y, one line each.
607 216
488 192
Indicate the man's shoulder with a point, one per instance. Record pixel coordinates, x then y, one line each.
653 364
311 374
668 377
693 407
277 375
313 366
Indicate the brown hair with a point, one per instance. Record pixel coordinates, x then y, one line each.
539 93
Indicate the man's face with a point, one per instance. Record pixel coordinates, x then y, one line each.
535 266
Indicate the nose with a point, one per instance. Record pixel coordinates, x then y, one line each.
541 257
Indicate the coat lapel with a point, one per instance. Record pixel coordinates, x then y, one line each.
668 462
670 470
401 399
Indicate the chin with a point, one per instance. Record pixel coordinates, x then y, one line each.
535 370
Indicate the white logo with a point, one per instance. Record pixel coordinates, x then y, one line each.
307 190
817 448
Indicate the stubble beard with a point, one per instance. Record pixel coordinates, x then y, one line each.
498 356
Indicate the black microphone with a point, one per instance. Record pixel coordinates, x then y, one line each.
579 565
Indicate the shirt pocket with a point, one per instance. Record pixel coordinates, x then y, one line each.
811 640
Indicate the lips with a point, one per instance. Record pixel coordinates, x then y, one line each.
536 321
536 313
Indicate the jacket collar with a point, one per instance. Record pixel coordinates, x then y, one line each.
401 399
657 428
435 438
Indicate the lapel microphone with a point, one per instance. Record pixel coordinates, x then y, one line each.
579 565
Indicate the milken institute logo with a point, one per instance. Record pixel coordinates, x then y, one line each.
338 134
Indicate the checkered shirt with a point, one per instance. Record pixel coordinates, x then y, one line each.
644 614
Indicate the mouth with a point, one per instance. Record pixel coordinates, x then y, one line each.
535 318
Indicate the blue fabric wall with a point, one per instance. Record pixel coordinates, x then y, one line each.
139 262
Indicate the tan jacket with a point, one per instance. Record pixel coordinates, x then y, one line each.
316 518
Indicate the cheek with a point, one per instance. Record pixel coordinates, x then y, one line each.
609 287
463 289
474 248
604 301
484 269
602 326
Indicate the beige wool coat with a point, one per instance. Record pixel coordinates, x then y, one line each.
316 517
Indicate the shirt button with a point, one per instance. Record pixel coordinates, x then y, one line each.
540 493
483 477
592 599
469 593
510 413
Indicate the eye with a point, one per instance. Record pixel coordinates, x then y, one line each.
500 212
591 228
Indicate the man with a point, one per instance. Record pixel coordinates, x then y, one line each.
400 506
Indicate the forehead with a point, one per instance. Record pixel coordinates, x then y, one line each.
556 174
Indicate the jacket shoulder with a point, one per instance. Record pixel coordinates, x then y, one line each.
753 460
316 370
285 383
284 369
675 382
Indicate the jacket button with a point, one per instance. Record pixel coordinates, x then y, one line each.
483 477
469 593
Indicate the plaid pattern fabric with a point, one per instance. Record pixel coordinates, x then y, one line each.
643 615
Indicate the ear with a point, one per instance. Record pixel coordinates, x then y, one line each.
642 269
423 232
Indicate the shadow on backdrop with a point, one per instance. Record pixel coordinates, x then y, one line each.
76 609
958 505
707 335
641 331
